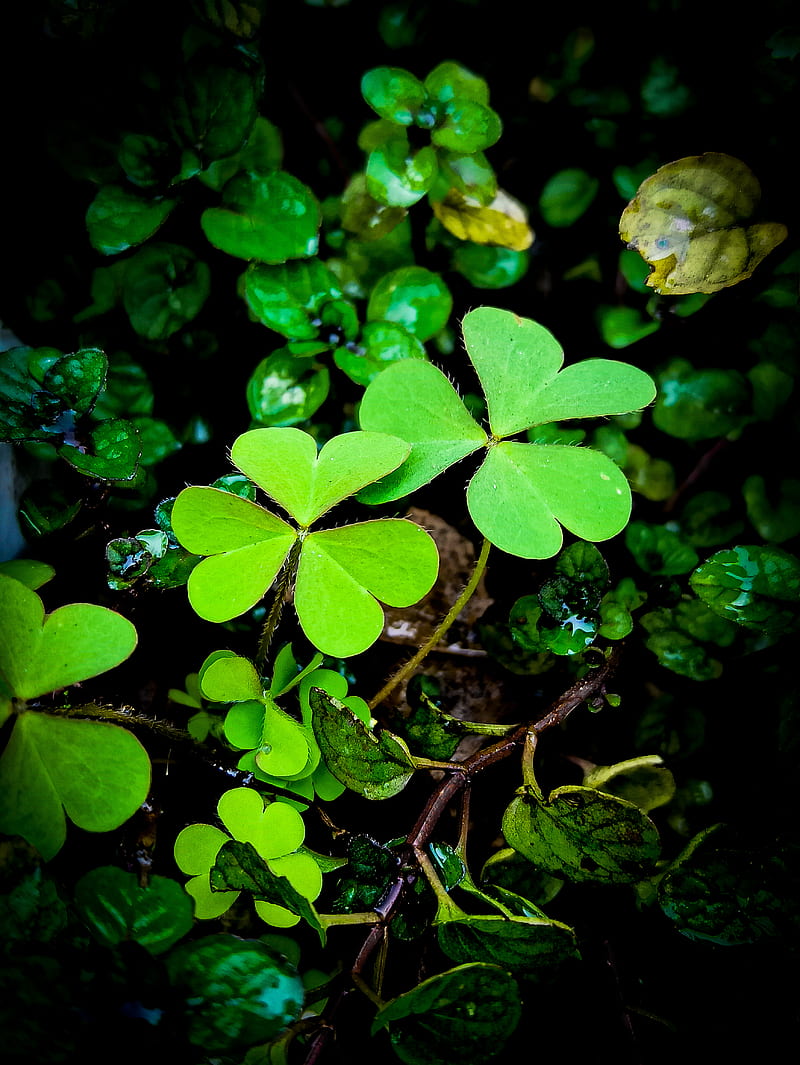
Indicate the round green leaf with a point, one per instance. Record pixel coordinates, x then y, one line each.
287 297
285 389
230 679
164 287
397 176
566 196
42 653
488 267
117 909
414 400
582 834
467 126
273 829
415 298
522 492
393 93
343 571
118 219
697 404
381 344
450 81
271 217
97 773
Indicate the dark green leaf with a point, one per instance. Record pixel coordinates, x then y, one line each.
117 908
118 219
524 946
582 834
698 404
286 389
288 297
377 767
111 454
467 1013
566 196
235 992
165 287
239 867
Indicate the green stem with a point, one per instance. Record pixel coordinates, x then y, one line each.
447 908
285 578
329 920
452 614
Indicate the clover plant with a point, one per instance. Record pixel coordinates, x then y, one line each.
475 725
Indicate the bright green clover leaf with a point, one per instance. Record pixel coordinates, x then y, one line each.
523 492
98 773
276 831
340 573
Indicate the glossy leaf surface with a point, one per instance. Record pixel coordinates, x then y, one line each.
755 586
377 767
582 835
523 945
118 219
271 217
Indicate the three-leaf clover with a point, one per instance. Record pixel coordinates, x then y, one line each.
522 493
278 748
276 830
340 574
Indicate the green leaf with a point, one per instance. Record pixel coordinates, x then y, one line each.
215 102
524 946
343 573
398 176
755 586
468 1011
722 892
248 546
645 781
691 221
285 464
112 451
165 286
96 773
582 834
467 126
263 151
506 350
490 267
622 326
381 344
377 767
42 653
239 867
288 297
413 297
117 908
285 389
698 404
452 81
775 520
659 550
271 217
229 679
233 992
393 93
118 219
566 196
28 571
522 492
417 402
77 379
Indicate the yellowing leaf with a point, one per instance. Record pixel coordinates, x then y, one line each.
503 222
692 221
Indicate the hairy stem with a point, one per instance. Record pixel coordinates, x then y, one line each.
285 579
444 625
